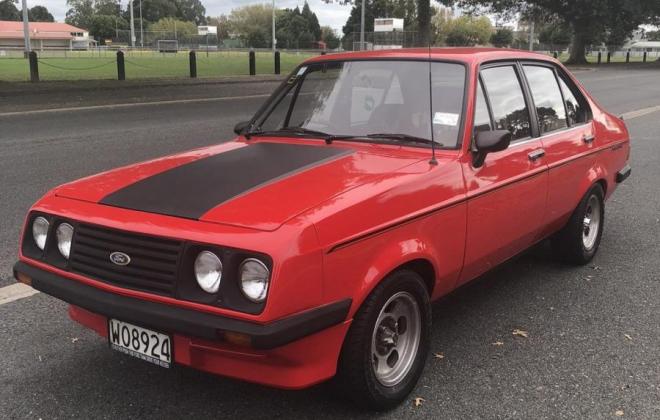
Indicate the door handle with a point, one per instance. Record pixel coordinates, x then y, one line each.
588 138
536 154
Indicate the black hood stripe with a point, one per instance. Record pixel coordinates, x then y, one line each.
192 189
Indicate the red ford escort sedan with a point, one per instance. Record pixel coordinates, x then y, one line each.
310 246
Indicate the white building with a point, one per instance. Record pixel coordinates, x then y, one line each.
43 35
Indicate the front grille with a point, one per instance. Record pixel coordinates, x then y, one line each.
153 264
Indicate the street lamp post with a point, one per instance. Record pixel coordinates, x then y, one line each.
362 27
130 6
141 29
26 29
273 35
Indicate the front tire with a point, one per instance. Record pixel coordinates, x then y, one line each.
578 241
386 347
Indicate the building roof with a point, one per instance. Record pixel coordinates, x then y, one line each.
38 30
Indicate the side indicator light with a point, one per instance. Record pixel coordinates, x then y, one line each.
238 338
24 278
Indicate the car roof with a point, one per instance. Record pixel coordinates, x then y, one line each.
466 55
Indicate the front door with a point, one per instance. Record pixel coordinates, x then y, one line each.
507 195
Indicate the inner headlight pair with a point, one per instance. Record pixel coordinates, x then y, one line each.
254 276
63 233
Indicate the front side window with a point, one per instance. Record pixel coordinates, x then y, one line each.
547 98
507 101
361 98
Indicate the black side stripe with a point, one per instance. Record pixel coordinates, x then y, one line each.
191 190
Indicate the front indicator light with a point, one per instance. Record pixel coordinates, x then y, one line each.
40 231
64 234
208 271
255 277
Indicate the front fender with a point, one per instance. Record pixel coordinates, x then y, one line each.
355 269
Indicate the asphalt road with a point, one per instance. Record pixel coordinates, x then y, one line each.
594 332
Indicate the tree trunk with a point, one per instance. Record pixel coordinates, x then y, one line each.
578 47
424 22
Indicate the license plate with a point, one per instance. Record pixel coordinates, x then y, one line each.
139 342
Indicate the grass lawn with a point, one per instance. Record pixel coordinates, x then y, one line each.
139 65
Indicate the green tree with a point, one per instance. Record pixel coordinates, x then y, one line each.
312 21
653 35
556 35
329 36
591 21
80 13
107 7
40 14
222 22
252 24
465 31
8 11
502 37
174 26
191 11
293 30
104 27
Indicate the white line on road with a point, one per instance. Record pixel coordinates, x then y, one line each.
14 292
640 112
131 104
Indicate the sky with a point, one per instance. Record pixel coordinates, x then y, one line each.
333 15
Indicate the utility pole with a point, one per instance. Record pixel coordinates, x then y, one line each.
274 40
531 36
141 29
26 29
130 6
362 27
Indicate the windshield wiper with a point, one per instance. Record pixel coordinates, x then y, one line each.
402 137
292 131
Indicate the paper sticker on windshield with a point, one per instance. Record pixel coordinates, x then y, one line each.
445 118
301 71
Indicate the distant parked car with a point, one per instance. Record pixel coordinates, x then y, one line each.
311 246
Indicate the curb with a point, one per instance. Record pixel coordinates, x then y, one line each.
8 89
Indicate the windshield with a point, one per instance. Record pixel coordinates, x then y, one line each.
362 98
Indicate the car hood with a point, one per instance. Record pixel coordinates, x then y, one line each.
258 185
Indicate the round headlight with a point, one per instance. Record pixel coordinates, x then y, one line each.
208 271
254 279
40 231
64 234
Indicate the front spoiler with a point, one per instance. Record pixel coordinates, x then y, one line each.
181 320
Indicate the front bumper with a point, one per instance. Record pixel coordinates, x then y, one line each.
293 352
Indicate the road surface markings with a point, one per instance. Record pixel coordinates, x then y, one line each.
640 112
132 104
14 292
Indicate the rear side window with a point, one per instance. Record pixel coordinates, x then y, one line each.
577 109
507 101
547 98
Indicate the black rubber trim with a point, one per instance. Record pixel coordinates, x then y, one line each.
189 322
192 189
623 174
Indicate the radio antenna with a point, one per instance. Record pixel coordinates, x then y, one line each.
433 160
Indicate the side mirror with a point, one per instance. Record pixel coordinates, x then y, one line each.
240 127
487 142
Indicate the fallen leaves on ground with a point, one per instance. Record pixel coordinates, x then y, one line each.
74 339
618 413
628 337
520 333
419 401
498 343
438 355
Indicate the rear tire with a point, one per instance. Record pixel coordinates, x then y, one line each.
578 241
386 347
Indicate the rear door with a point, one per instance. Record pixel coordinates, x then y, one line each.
507 195
567 135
